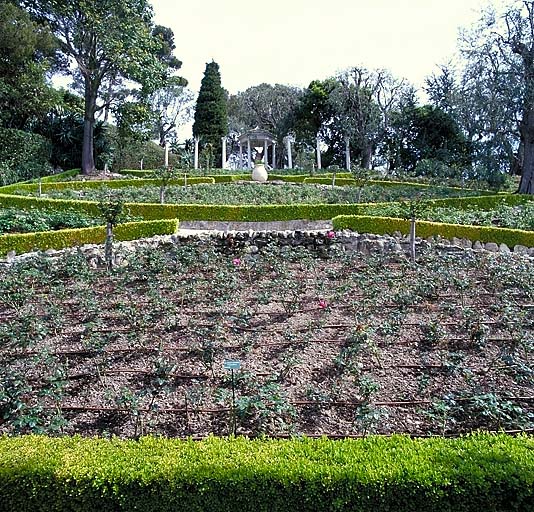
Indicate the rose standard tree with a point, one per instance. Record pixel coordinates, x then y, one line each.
103 39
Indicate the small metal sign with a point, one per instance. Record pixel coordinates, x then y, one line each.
230 364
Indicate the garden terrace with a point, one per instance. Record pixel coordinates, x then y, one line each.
309 199
330 342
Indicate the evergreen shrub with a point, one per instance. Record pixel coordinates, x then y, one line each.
479 472
424 229
25 242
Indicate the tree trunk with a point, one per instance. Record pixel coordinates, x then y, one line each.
88 156
108 248
367 154
412 239
526 185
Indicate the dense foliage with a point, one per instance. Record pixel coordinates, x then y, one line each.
23 156
211 118
22 221
106 42
252 193
27 53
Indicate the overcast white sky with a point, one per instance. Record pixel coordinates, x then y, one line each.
295 41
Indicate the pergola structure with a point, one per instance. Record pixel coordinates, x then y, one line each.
262 138
254 139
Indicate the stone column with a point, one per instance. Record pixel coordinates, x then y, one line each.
249 155
318 153
265 156
223 140
196 153
289 157
347 153
166 155
240 155
274 155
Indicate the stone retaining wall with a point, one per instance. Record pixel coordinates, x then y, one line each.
248 243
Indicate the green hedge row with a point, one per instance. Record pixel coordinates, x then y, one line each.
25 242
482 472
228 178
59 176
114 184
136 172
480 202
347 180
45 179
45 203
153 211
257 213
424 229
340 182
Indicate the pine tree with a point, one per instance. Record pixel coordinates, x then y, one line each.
211 119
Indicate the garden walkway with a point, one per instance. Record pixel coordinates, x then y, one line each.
292 225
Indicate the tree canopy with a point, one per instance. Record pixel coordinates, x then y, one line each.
104 41
27 54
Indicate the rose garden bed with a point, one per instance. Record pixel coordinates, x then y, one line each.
329 341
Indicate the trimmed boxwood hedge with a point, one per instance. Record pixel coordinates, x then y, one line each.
479 472
383 225
45 179
25 242
153 211
115 184
256 213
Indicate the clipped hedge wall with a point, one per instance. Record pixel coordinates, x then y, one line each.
59 176
25 242
45 203
383 225
344 181
114 184
486 202
153 211
243 213
340 182
138 173
397 474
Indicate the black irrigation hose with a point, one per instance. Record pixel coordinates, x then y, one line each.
296 403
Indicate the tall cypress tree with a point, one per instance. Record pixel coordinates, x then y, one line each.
211 119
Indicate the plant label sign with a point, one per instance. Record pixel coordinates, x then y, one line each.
230 364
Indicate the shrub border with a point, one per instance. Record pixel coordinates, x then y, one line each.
424 229
477 472
60 239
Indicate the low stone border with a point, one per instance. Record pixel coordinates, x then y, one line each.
248 243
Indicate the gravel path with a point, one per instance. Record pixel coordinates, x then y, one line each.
292 225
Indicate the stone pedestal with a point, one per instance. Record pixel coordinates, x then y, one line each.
259 173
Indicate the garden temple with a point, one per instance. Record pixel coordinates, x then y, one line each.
256 138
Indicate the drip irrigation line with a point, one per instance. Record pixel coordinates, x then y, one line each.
104 352
296 403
